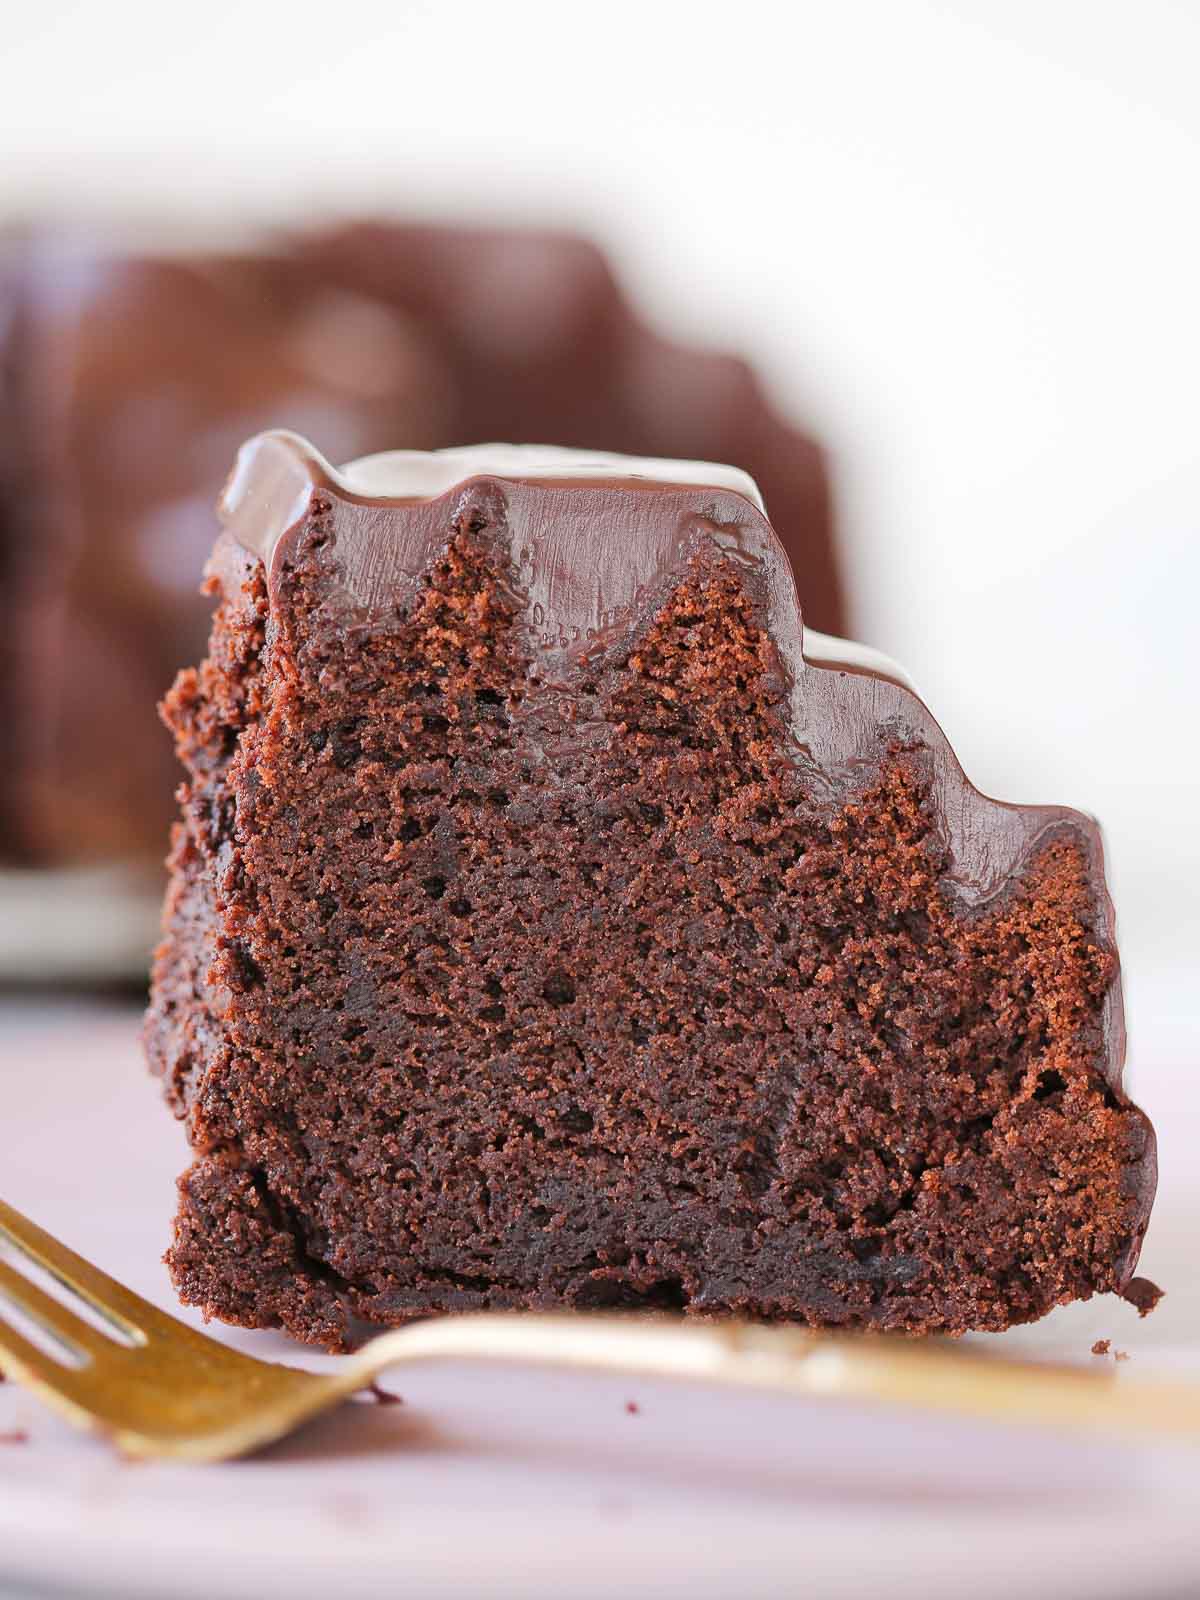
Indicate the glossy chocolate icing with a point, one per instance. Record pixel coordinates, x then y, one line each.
628 533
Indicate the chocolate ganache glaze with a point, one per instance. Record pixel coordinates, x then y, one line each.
593 538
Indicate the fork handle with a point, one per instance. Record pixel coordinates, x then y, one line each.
895 1371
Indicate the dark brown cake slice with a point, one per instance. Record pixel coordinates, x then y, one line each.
547 927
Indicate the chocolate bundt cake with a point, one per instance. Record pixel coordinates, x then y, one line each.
553 923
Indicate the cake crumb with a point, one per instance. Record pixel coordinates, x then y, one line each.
1103 1347
633 1408
383 1397
14 1436
1142 1294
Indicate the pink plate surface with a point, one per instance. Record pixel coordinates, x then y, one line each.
531 1483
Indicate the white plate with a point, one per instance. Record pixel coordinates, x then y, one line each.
535 1484
79 925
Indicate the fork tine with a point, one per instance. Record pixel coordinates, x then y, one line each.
85 1395
65 1389
20 1357
128 1312
60 1322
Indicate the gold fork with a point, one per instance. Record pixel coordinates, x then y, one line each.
158 1388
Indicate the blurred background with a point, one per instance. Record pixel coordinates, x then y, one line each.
930 270
957 244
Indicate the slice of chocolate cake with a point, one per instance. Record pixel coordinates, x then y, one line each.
552 925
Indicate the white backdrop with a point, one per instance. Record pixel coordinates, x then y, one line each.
962 239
